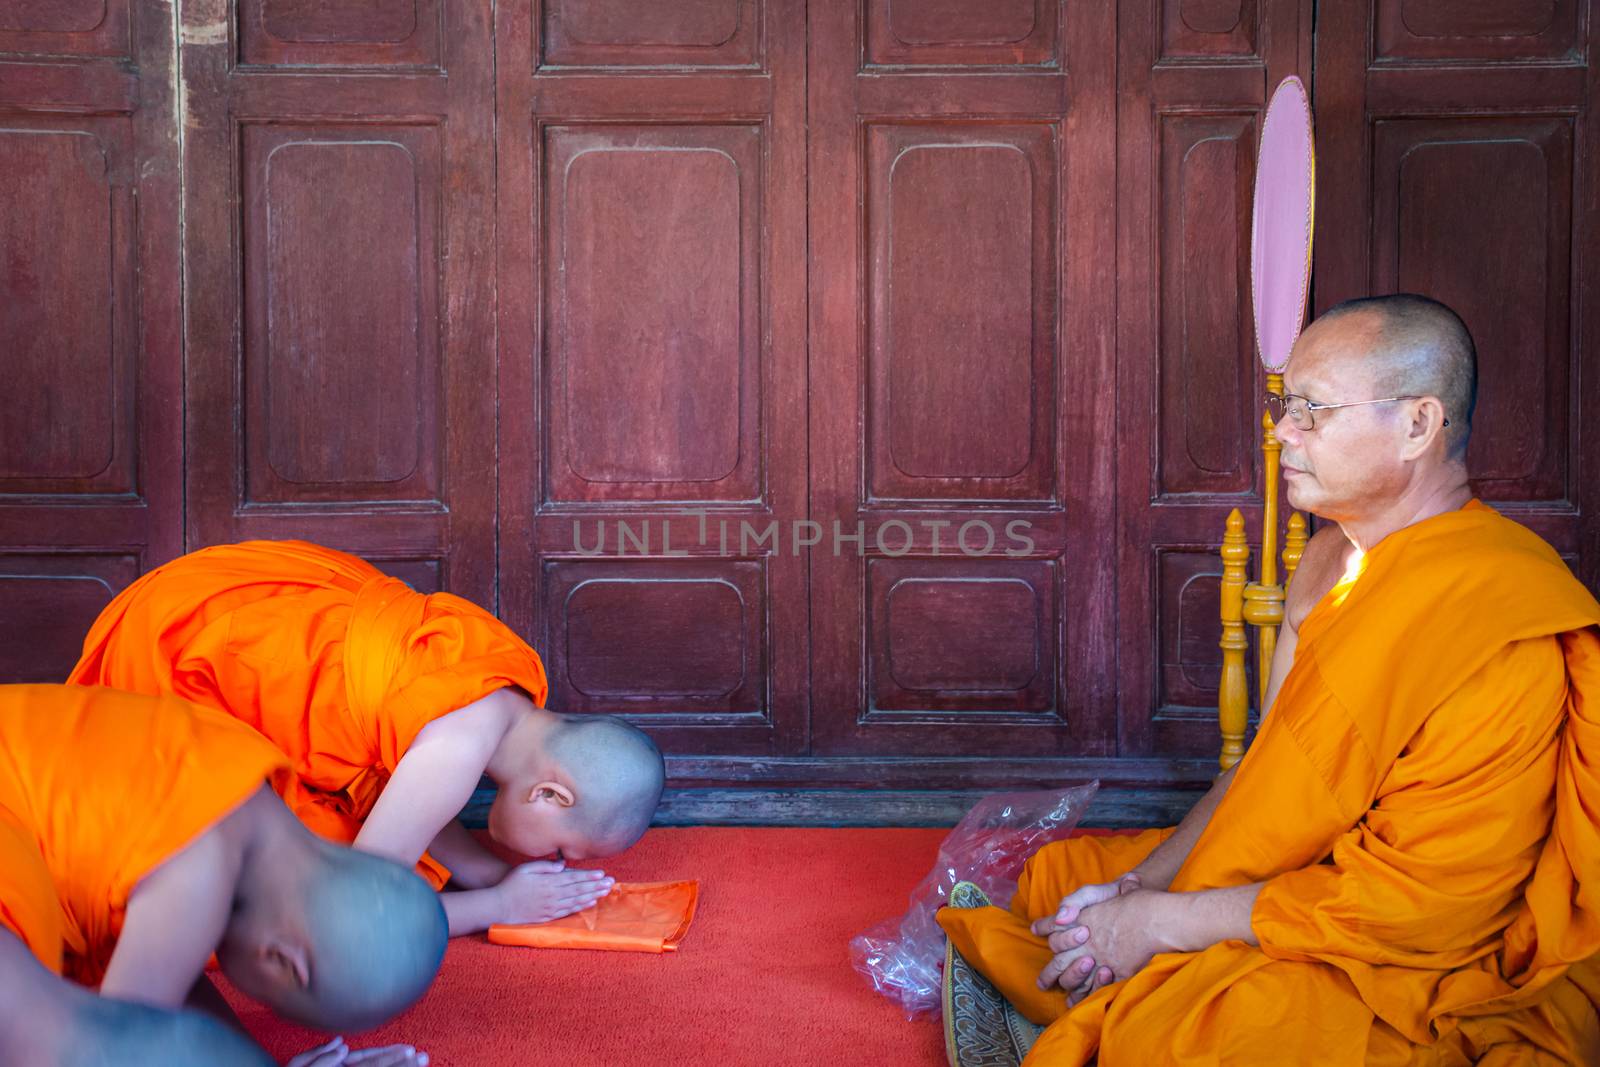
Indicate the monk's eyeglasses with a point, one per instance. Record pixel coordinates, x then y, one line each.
1302 412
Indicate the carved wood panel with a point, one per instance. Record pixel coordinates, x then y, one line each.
90 442
314 33
76 28
339 274
961 315
954 33
960 394
1193 82
653 282
652 361
626 34
1474 183
808 382
1420 31
341 395
1477 212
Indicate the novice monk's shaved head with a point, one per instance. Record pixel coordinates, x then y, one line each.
334 938
618 773
588 787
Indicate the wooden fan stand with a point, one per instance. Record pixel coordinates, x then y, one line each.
1258 604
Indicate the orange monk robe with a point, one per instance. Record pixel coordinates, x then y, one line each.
1423 808
338 664
97 789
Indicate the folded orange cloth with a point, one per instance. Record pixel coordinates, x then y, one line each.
633 917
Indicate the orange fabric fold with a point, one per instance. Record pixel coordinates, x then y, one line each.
633 917
97 789
1422 808
338 664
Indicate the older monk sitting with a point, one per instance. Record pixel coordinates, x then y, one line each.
1405 867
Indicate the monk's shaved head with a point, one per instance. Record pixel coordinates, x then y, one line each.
617 773
379 934
363 937
1419 347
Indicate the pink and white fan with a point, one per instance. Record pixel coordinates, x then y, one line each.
1281 223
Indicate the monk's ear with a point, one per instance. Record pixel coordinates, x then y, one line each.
285 964
550 791
1424 426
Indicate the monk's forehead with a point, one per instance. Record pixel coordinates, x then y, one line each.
1333 354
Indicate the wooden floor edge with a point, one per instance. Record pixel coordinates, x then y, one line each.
1111 808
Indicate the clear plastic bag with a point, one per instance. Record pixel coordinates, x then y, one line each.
902 958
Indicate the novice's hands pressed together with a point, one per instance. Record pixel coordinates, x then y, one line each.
541 890
336 1054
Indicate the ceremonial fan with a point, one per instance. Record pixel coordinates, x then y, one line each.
1280 278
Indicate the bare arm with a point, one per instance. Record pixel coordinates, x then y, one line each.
472 911
433 782
1282 660
1320 568
420 802
1193 922
417 810
472 866
175 919
1161 866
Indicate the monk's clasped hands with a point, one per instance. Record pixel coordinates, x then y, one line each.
1102 942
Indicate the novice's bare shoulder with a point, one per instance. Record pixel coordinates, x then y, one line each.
486 719
1326 556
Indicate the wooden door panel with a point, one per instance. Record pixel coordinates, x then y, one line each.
1193 82
341 395
1450 30
962 254
960 422
50 599
952 33
652 362
340 359
1207 393
374 33
678 645
70 336
668 33
75 28
968 637
653 281
90 453
1187 585
1474 183
1211 29
1477 212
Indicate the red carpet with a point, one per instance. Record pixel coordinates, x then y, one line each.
762 978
